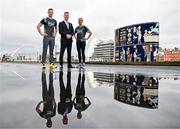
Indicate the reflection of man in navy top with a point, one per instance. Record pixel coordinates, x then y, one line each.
65 105
49 104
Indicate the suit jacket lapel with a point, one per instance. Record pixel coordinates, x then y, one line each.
66 25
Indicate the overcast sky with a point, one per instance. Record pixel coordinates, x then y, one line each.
18 20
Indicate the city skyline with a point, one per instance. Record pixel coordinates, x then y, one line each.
19 19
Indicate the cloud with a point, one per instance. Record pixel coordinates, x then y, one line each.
19 19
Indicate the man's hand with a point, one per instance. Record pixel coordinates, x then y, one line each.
75 36
68 36
44 34
54 35
55 32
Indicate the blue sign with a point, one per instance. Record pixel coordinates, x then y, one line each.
137 43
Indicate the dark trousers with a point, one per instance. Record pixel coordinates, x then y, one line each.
47 94
80 90
48 41
65 92
81 50
65 45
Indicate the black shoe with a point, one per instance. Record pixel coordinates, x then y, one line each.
43 66
71 66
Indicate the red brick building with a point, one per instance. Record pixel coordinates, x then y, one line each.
172 55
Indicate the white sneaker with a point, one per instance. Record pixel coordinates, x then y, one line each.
83 65
79 66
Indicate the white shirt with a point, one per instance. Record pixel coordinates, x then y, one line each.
67 24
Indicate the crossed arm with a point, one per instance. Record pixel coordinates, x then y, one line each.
65 34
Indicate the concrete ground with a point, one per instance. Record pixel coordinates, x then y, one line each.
21 91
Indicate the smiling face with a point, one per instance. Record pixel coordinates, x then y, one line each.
80 21
50 12
66 16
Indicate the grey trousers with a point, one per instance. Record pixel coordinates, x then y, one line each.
48 41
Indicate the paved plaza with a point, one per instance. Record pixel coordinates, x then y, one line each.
119 96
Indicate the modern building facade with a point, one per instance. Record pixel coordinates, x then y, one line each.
172 55
104 77
104 51
138 42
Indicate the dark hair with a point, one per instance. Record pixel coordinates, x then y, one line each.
50 9
66 12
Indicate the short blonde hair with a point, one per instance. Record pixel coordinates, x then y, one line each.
80 18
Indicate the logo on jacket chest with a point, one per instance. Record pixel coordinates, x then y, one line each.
50 23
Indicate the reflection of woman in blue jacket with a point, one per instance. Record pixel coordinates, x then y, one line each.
79 100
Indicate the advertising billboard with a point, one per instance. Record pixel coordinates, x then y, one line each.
137 43
138 90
